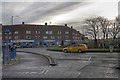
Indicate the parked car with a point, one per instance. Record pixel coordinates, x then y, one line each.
76 48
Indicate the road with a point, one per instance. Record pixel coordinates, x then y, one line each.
0 65
27 67
70 65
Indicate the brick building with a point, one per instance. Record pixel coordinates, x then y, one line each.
40 35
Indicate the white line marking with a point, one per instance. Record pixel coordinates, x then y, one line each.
79 74
43 71
46 72
33 72
89 59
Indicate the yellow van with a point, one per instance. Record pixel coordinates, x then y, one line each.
76 48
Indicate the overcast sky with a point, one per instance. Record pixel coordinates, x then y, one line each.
64 12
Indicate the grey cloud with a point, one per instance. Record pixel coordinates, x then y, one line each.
36 12
49 10
0 18
119 8
31 12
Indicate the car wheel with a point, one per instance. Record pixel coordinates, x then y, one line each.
65 51
79 50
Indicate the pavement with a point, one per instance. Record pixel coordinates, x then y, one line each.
70 65
27 64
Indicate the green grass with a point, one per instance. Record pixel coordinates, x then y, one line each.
55 49
89 50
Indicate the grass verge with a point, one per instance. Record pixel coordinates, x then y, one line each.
89 50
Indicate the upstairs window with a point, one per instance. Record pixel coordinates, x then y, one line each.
45 37
66 32
48 32
28 32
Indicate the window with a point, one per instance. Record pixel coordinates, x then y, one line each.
59 37
28 32
16 32
44 37
67 37
16 37
48 32
36 37
59 32
52 37
66 32
8 37
37 32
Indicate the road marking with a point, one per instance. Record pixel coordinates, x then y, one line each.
46 72
43 71
33 72
89 59
79 74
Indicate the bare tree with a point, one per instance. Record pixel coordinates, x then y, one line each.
104 24
92 29
114 29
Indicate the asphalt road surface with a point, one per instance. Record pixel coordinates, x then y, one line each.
28 66
70 65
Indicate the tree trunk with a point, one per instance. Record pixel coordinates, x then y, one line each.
95 43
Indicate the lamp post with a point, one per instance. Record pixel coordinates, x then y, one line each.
13 19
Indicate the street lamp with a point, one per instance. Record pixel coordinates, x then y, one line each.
13 19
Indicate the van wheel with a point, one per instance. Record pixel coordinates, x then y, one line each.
79 50
65 51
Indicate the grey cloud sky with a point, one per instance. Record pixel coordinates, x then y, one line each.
72 13
0 12
31 12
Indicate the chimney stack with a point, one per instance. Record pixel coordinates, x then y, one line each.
46 24
65 24
23 22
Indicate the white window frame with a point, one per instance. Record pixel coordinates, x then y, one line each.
16 32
